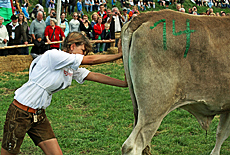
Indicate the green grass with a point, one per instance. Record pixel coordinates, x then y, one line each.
96 119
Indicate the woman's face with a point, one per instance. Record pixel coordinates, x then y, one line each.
77 49
75 16
99 20
63 16
52 23
95 17
85 18
1 21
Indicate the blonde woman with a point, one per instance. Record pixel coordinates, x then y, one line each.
31 100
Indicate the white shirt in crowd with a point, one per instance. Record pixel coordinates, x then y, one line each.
117 24
3 35
74 26
49 73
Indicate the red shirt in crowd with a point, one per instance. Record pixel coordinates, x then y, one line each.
56 36
98 29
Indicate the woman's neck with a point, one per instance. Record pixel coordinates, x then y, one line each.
53 26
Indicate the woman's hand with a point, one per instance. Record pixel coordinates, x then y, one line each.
48 41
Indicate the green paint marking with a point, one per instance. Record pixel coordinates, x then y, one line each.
164 31
187 32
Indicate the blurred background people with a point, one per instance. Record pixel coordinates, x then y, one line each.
98 28
38 26
64 24
53 33
4 37
16 32
39 46
86 27
22 21
51 15
74 24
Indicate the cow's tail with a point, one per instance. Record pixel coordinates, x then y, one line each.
126 37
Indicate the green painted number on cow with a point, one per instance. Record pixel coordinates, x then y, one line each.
164 32
188 34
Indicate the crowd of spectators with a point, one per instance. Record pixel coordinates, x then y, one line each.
103 24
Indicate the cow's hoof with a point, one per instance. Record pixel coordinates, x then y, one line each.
146 151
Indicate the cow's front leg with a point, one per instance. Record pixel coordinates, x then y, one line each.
222 133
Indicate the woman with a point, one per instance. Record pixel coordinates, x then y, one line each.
64 24
22 21
52 33
98 28
86 27
74 24
94 18
44 79
4 37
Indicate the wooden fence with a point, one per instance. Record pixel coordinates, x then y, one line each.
16 63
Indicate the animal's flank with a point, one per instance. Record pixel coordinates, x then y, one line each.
176 60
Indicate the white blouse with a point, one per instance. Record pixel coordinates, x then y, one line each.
49 73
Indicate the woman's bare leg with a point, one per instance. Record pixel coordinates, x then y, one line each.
50 147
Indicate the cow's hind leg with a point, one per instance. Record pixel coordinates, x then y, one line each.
141 136
222 133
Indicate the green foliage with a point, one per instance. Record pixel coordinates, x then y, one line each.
96 119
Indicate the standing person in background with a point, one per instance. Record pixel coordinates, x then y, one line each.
115 21
74 24
104 2
65 4
15 31
79 7
33 14
106 35
52 15
38 26
64 24
98 28
102 13
39 46
96 5
53 33
125 15
87 5
108 13
22 21
94 18
4 37
51 5
72 4
51 72
91 5
86 27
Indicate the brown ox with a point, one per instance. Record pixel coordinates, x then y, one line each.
173 60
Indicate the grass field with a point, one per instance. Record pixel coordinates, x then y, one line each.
96 119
